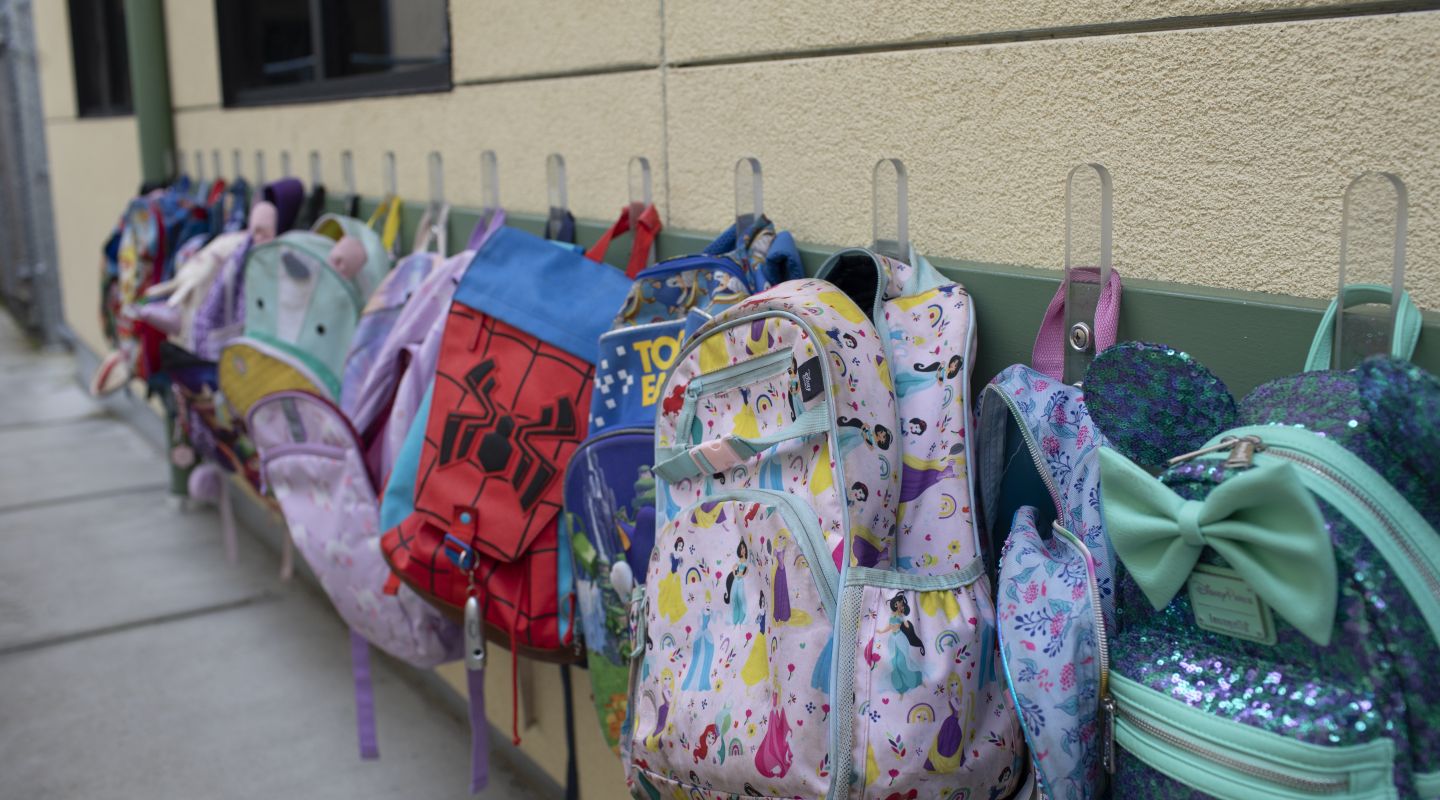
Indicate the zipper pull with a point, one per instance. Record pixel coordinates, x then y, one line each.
1248 446
1107 745
1242 455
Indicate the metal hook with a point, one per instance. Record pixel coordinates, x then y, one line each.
555 188
749 196
284 163
890 180
437 179
1081 297
200 166
1370 334
641 195
259 167
556 192
391 186
237 164
215 163
317 174
489 183
347 171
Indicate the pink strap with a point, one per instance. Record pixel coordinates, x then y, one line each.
1048 355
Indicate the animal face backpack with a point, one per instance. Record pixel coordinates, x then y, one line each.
1037 476
303 296
1280 598
609 490
939 720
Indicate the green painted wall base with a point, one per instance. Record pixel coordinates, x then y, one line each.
1246 338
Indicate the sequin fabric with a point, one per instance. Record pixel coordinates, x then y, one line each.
1374 679
1154 402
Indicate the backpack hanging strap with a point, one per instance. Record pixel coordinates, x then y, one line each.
1402 341
572 771
647 227
1048 355
389 210
485 228
364 696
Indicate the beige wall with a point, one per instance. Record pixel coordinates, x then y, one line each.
94 169
1231 127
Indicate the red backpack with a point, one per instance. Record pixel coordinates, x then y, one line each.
510 402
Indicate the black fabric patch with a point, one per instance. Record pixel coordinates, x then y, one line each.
812 379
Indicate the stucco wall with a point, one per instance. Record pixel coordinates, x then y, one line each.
94 169
1231 127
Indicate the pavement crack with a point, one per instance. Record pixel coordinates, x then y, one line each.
147 622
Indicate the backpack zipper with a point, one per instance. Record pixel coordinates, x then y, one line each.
1315 786
1034 450
1102 650
748 371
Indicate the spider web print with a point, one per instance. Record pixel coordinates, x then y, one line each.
508 412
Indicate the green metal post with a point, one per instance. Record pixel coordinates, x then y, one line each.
150 85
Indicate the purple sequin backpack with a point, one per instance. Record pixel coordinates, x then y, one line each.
1279 584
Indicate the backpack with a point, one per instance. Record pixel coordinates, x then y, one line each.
969 740
609 520
312 461
503 414
761 495
1037 487
510 395
1279 601
303 294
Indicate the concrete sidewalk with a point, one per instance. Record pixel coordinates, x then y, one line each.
136 662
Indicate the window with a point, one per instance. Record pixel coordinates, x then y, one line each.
287 51
102 63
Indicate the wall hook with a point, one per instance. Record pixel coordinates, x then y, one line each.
890 207
1360 332
557 195
1082 298
749 198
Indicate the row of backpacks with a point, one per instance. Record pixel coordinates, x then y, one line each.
796 556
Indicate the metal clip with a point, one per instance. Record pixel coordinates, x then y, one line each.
474 632
1107 747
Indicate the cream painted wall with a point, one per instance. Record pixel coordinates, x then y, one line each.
1229 145
94 170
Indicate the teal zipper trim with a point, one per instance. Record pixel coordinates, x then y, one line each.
749 371
894 579
1407 542
1234 761
1427 785
812 543
842 699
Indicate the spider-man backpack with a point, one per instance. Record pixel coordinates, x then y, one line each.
510 401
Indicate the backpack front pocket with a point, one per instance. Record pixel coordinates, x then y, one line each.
1234 761
1054 653
931 715
731 692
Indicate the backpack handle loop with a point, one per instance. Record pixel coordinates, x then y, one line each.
1406 334
646 226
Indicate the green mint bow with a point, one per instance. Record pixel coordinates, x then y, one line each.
1262 521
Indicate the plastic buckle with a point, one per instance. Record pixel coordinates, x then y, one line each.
715 456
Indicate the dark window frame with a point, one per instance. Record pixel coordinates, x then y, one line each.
425 79
100 58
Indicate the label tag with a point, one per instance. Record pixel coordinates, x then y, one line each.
812 379
1224 603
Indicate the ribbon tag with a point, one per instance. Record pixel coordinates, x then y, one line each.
1224 603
